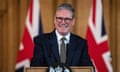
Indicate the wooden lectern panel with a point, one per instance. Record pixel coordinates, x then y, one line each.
82 69
74 69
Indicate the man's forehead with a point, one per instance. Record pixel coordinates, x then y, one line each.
64 12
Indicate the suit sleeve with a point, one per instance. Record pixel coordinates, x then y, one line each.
38 58
86 61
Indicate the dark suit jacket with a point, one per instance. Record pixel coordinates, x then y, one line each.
46 51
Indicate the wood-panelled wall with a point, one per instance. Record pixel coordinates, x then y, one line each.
12 21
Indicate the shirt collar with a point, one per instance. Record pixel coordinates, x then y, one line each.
59 36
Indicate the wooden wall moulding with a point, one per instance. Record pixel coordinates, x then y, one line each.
3 5
44 69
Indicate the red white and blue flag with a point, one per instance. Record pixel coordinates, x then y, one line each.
31 30
98 40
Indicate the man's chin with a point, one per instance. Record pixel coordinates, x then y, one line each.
63 33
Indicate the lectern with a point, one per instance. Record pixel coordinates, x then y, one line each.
74 69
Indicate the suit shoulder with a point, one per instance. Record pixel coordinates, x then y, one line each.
78 37
42 37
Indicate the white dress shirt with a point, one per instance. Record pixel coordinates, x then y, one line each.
59 36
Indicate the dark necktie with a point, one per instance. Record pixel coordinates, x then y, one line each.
63 50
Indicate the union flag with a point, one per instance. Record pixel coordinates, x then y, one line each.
31 30
98 40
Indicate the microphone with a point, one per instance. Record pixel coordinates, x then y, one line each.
58 67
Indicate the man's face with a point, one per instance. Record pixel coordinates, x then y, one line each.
63 21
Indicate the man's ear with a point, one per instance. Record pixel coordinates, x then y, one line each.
73 21
54 19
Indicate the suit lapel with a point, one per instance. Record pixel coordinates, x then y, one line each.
71 50
54 46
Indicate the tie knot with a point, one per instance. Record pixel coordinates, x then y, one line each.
63 38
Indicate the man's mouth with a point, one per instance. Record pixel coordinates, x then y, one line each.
63 25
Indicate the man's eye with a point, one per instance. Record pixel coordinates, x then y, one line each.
68 19
59 18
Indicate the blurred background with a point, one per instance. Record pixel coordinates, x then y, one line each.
12 21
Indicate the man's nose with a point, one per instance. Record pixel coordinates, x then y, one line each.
63 21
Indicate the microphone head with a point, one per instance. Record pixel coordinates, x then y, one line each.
59 67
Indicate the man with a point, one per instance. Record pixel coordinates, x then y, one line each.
48 46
